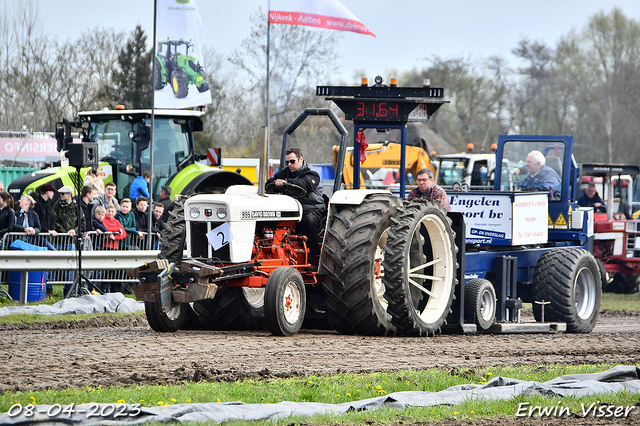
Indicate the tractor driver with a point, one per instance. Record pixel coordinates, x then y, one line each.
541 177
299 173
428 189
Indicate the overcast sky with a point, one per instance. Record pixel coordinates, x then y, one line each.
407 30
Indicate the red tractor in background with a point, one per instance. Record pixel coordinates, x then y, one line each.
617 235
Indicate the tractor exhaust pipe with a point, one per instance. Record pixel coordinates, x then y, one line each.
262 171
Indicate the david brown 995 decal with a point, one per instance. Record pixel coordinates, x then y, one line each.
252 214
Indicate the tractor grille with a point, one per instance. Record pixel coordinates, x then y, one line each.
633 240
200 246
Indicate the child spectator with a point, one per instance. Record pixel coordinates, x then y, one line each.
113 225
96 219
128 221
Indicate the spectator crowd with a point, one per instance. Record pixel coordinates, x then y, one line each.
117 224
46 219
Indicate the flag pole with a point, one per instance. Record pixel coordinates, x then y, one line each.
153 122
267 95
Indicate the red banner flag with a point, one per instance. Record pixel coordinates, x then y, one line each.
327 14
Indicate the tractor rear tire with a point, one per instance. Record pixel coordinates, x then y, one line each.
352 255
285 302
166 322
232 308
157 76
604 276
480 302
180 84
569 278
420 268
623 284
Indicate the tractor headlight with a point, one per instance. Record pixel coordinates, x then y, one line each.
194 212
221 213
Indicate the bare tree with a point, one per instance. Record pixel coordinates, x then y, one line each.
41 79
24 53
477 91
603 63
299 59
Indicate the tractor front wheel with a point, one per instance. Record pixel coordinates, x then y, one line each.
285 302
232 308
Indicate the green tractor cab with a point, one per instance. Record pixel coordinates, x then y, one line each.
175 67
124 151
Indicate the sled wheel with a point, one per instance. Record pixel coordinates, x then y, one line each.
353 264
169 321
285 302
480 302
420 268
568 278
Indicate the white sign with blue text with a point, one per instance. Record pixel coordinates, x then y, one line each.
503 219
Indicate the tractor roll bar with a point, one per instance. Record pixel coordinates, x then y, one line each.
343 139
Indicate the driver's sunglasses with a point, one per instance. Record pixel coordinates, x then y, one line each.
292 161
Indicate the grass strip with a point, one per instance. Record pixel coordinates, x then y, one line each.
341 388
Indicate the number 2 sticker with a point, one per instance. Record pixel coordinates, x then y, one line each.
220 236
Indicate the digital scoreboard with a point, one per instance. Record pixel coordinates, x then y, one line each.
384 104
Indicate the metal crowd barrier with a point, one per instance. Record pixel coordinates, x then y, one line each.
104 261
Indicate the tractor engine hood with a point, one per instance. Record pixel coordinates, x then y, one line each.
230 219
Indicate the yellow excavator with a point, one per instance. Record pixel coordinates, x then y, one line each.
381 167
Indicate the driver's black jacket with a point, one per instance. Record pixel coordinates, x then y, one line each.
309 179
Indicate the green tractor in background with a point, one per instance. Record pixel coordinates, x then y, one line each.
178 69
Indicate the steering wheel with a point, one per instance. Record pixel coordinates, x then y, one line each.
289 189
457 186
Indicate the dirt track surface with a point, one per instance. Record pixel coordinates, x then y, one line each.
120 351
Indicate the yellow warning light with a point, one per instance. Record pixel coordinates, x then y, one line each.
494 147
470 147
119 106
433 153
365 81
394 82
